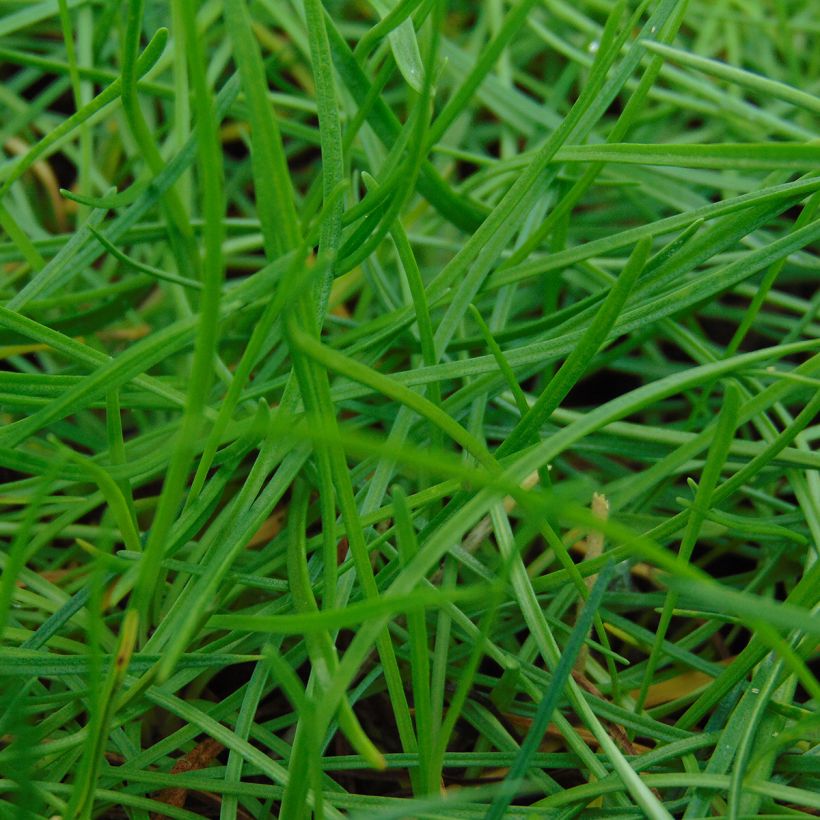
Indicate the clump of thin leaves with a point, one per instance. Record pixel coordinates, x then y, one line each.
408 409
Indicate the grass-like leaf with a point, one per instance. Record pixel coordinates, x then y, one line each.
409 409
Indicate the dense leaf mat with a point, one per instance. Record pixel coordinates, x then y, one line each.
408 408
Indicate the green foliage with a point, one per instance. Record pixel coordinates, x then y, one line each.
409 408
